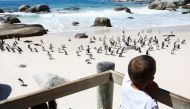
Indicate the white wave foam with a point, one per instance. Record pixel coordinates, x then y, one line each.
143 17
146 10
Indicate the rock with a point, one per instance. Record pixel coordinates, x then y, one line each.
81 35
1 11
31 10
102 21
23 8
11 19
119 8
49 80
178 3
122 9
22 65
171 9
75 23
170 5
153 5
162 5
20 30
119 0
187 12
1 19
187 6
130 17
128 11
185 2
38 8
72 9
42 8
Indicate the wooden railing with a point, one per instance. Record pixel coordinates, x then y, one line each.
168 98
102 80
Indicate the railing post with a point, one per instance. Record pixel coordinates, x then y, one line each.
105 92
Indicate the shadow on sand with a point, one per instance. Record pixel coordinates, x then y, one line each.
5 91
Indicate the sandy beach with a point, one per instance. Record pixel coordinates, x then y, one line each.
172 69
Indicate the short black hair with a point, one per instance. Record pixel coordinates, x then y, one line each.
141 68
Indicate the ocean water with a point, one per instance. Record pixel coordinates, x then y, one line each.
60 19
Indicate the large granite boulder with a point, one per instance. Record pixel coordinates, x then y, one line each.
81 35
187 6
1 11
23 8
11 19
38 8
20 30
102 21
162 5
122 9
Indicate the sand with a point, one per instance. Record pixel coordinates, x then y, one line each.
172 69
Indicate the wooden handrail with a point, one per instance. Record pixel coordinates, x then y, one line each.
21 102
168 98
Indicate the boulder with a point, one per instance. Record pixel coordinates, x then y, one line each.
162 5
23 8
11 19
128 11
42 8
75 23
187 6
81 35
38 8
153 5
31 10
185 2
102 21
187 12
1 11
20 30
178 3
122 9
170 5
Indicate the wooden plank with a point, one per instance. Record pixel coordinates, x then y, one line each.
170 99
57 92
173 100
117 77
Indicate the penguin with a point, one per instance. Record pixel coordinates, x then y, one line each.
21 82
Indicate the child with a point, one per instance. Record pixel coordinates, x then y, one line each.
140 91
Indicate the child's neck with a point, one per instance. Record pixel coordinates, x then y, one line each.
138 86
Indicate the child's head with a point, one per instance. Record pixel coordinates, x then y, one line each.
141 69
